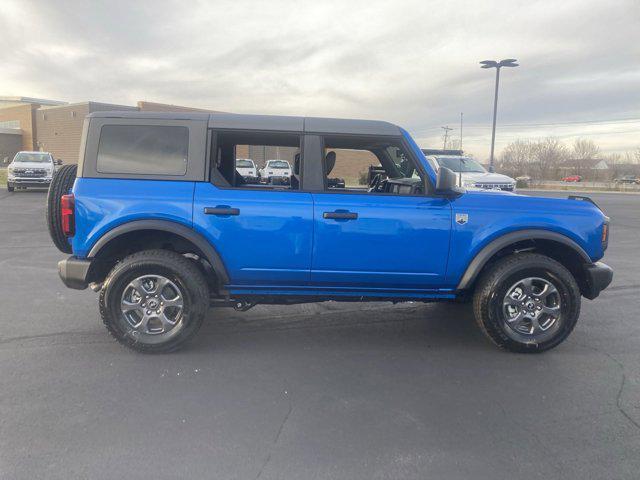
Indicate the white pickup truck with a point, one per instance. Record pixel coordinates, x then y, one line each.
247 169
471 174
276 172
31 169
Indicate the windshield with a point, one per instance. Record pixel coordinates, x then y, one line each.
461 164
244 163
24 157
278 164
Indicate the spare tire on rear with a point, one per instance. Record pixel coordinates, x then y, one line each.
61 184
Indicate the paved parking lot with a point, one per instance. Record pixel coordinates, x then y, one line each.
343 391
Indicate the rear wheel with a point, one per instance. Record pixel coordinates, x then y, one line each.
527 303
154 301
61 184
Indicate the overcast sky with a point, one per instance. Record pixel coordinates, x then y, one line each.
414 63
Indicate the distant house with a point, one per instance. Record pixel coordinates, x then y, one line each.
601 165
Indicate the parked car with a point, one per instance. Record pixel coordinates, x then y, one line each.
572 178
470 173
247 169
191 236
276 172
628 179
31 169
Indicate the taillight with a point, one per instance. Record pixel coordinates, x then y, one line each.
67 212
605 236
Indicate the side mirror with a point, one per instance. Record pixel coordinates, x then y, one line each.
447 182
58 162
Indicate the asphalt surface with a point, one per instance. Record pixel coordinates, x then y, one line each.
344 391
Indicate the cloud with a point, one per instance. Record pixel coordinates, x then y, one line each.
411 62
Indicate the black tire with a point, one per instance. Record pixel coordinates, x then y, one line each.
9 187
181 272
497 281
60 185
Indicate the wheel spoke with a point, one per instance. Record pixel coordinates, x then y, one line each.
515 321
509 300
176 302
553 311
159 284
527 286
167 323
535 325
138 285
143 325
547 290
128 306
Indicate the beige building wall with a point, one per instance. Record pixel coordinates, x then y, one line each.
60 128
24 115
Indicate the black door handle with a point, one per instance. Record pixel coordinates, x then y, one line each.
221 211
340 215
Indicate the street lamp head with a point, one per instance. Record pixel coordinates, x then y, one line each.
509 62
488 64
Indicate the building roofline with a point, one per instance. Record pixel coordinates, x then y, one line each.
90 104
40 101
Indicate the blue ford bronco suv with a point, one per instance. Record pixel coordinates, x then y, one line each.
160 223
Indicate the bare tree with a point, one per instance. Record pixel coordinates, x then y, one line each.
516 158
582 157
549 155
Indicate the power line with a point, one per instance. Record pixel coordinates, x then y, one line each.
550 124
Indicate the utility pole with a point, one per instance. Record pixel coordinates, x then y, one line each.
461 130
446 129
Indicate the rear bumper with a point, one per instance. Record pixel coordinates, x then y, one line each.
598 276
74 272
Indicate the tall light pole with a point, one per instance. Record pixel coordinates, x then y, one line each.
509 62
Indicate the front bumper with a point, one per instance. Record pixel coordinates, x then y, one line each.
279 180
597 276
29 181
74 272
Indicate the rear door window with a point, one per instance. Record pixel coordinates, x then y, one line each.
143 150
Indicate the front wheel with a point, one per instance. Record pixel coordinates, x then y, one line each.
527 303
154 301
10 187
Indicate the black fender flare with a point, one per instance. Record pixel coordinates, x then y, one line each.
187 233
489 250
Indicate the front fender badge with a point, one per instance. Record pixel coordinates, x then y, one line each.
462 218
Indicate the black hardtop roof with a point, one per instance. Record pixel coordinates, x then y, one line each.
266 122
